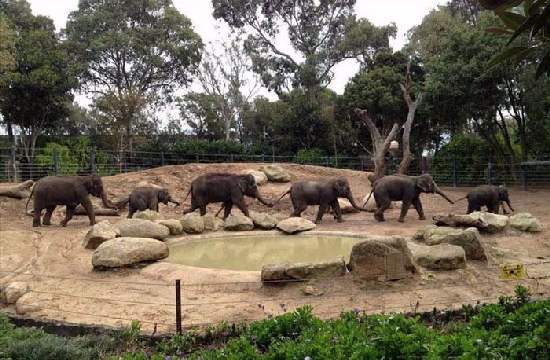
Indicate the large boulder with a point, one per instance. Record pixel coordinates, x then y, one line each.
276 173
371 204
99 233
525 222
138 228
259 176
125 251
386 257
13 291
276 273
238 222
439 257
495 222
192 223
468 239
346 206
147 214
212 223
174 226
295 225
263 220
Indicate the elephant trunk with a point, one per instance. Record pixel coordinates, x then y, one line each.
262 200
106 202
354 204
442 194
509 205
170 199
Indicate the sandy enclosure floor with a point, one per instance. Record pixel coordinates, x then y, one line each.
64 286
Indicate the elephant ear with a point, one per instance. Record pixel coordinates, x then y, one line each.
243 184
424 183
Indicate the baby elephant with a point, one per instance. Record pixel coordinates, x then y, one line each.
146 197
491 196
322 193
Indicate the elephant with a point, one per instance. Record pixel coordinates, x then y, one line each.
226 188
491 196
70 191
406 189
322 193
146 197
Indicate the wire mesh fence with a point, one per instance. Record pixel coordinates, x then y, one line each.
451 171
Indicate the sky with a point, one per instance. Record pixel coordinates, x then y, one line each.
404 13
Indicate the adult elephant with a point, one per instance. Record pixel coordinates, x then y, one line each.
406 189
146 197
322 193
229 189
70 191
491 196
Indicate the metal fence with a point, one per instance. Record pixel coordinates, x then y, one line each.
446 171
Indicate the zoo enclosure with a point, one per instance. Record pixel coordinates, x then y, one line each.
449 171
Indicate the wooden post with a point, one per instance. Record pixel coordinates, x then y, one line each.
489 172
178 306
93 166
55 156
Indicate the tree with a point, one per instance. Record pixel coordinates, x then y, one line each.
7 46
131 54
37 91
204 116
322 34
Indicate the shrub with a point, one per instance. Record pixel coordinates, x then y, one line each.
313 156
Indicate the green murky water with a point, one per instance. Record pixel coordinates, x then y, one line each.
250 253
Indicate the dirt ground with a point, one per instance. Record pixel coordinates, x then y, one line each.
64 286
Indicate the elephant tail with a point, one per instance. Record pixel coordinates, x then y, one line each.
368 198
29 199
282 196
188 193
120 204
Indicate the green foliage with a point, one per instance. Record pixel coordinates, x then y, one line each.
310 156
190 148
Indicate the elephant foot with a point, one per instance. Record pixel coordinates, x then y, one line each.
379 218
46 223
401 220
318 222
35 225
422 217
340 220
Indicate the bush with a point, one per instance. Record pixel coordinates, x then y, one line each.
190 148
313 156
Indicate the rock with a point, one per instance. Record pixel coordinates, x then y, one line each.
263 220
495 222
259 176
192 223
276 273
371 204
381 256
212 223
439 257
147 215
460 221
346 207
468 239
144 183
295 225
19 191
27 304
525 222
13 291
238 223
126 251
311 290
139 228
174 226
99 233
276 173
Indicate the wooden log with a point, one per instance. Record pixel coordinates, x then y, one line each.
460 221
19 191
80 211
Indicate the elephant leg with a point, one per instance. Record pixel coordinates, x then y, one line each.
37 213
337 211
227 206
493 207
406 204
69 212
381 206
202 209
242 206
87 204
48 215
299 208
131 211
322 208
501 205
418 206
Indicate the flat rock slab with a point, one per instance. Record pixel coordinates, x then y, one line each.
142 229
295 225
439 257
468 239
495 222
212 223
263 221
467 221
525 222
174 226
99 233
386 257
238 223
125 251
277 273
192 223
147 215
276 173
13 291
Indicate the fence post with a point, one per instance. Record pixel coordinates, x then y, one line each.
523 178
55 156
454 172
178 306
489 172
162 158
13 160
93 166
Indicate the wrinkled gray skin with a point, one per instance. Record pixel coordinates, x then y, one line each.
491 196
70 191
146 197
229 189
406 189
322 193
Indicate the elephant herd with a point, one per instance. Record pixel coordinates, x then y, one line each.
231 189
